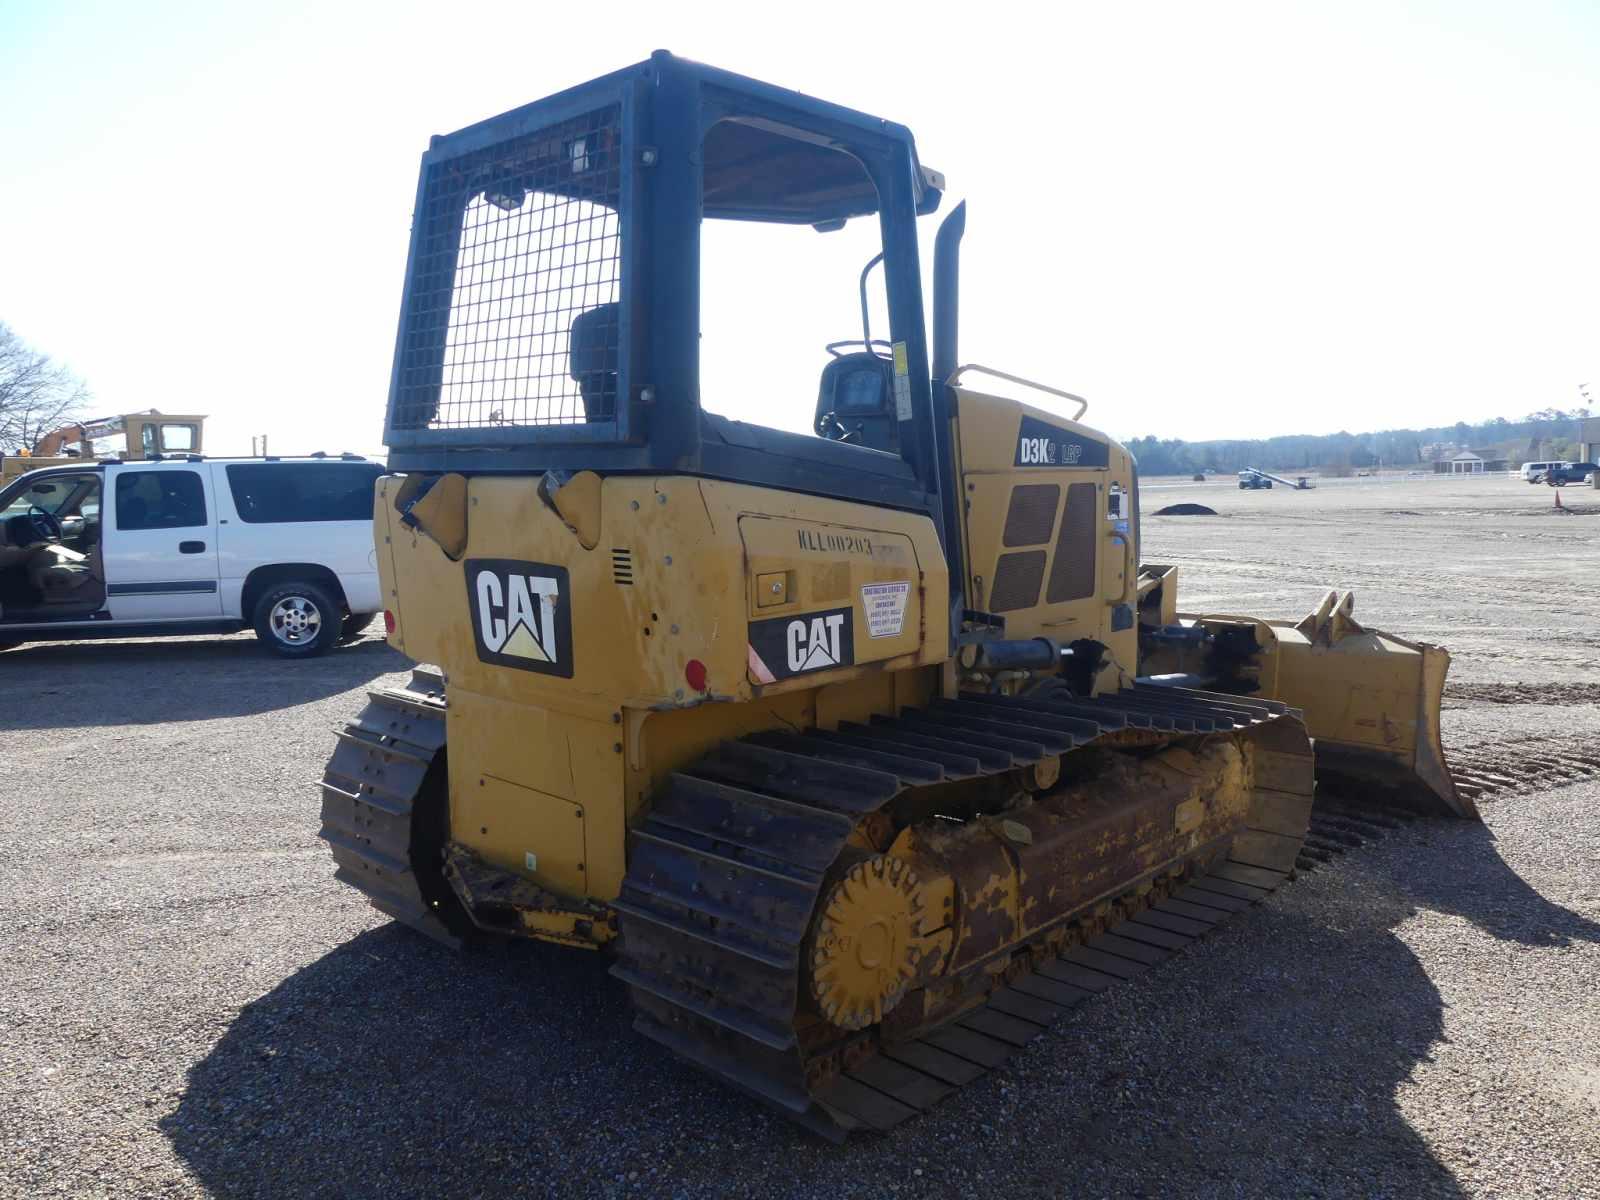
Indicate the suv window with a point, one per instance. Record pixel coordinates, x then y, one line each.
273 493
67 496
160 500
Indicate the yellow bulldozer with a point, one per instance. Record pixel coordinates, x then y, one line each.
144 435
866 754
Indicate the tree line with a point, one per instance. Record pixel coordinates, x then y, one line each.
1548 433
38 395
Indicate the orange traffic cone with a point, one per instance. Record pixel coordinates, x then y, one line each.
1558 501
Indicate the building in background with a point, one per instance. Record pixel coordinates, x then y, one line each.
1471 462
1589 445
1589 439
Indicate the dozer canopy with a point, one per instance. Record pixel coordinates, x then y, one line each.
551 308
551 313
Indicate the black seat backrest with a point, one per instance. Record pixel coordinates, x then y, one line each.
855 402
592 360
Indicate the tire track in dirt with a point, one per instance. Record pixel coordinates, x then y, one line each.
1525 693
1534 763
1340 824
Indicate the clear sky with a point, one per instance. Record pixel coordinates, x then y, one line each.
1219 220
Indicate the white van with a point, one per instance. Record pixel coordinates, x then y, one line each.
1535 472
191 545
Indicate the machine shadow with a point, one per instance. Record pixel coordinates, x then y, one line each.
1489 893
390 1066
85 684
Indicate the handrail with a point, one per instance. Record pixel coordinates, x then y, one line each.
1083 405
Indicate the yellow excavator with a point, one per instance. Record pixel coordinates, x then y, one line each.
866 754
145 435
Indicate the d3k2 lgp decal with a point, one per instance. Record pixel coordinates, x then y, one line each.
785 646
1043 445
521 615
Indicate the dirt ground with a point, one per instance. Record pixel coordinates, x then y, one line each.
189 1005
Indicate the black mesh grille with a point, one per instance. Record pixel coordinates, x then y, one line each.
511 317
1072 573
1032 514
1016 581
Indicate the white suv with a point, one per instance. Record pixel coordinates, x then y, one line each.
143 549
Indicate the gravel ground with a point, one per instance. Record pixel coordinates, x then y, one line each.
190 1006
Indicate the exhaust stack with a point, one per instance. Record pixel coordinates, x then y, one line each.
947 293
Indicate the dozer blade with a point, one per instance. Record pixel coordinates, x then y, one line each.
1370 699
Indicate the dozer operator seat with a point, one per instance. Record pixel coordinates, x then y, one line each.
57 573
855 402
592 360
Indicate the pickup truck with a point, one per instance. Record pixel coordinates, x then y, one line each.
191 545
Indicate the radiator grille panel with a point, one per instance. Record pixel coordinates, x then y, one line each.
1072 573
1032 514
1016 581
516 241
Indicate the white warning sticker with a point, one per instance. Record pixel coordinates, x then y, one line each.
885 606
902 398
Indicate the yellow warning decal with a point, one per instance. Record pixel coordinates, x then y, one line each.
902 383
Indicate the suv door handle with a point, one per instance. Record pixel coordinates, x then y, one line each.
191 547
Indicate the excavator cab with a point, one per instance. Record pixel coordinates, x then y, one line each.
130 436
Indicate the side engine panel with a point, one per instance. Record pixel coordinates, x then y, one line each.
1050 533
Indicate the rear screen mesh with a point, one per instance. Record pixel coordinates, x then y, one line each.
516 243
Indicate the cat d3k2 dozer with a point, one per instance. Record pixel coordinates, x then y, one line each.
868 753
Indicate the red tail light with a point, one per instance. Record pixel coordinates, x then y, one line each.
388 623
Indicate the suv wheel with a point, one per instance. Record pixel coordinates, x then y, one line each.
298 620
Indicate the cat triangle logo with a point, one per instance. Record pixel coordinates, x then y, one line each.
520 616
523 644
819 658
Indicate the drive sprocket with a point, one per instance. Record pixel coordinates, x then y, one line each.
867 943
